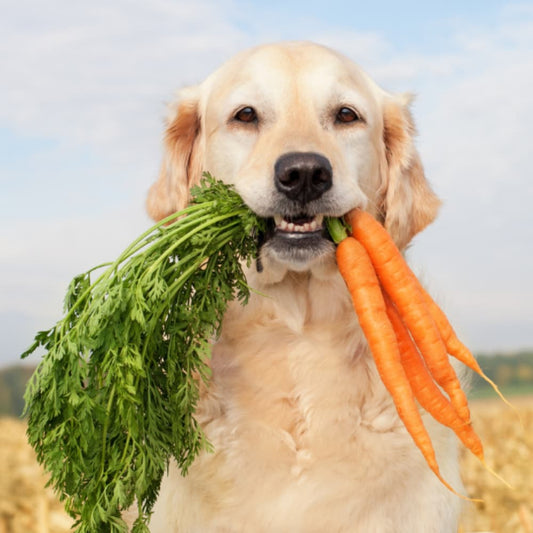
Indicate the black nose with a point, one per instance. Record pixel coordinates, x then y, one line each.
303 176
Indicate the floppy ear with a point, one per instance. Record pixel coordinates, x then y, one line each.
181 165
408 202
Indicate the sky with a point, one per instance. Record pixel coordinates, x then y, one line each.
83 92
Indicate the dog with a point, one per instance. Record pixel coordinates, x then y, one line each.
306 439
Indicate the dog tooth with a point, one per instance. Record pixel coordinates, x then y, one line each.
291 227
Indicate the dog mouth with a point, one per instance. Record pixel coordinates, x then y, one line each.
298 226
296 240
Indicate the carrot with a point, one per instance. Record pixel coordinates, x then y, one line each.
363 285
401 285
454 346
429 395
424 388
379 281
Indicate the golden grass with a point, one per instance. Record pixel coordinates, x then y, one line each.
27 507
509 451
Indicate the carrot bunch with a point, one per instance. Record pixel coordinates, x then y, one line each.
408 334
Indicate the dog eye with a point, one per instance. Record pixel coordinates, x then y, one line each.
346 115
246 114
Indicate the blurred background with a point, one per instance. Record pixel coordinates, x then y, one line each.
83 92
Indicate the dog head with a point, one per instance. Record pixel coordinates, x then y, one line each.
302 133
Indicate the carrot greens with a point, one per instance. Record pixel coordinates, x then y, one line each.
113 398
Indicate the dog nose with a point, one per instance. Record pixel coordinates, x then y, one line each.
303 176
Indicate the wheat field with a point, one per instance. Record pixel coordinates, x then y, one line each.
508 442
26 506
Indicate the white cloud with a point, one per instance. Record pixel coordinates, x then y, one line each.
475 141
96 71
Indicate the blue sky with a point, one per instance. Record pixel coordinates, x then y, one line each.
83 95
407 25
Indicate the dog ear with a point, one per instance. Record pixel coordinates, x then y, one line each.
408 203
181 165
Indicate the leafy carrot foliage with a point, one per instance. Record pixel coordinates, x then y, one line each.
113 399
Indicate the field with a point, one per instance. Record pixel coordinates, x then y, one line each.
27 507
509 451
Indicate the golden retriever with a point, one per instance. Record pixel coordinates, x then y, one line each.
306 438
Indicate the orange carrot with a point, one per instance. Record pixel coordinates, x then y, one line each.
401 285
387 296
428 394
454 346
363 285
424 388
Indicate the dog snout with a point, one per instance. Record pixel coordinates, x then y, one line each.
303 176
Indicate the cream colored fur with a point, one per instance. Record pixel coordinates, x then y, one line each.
305 436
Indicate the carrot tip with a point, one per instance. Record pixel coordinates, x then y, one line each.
497 476
458 494
503 398
436 471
